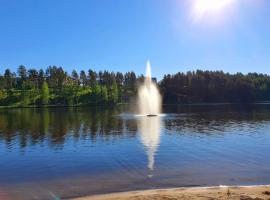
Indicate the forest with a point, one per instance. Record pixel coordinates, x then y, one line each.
215 87
54 86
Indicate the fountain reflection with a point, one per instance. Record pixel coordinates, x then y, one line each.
149 129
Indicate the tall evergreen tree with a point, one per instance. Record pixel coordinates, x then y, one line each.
83 78
8 79
92 76
75 76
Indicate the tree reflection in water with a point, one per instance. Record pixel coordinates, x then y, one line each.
33 126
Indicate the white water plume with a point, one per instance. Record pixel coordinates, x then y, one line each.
149 99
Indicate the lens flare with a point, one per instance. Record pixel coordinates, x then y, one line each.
209 7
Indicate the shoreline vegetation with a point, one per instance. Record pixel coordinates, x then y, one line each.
257 192
55 87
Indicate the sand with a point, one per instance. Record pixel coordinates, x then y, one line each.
201 193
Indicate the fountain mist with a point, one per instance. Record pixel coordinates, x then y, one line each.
149 99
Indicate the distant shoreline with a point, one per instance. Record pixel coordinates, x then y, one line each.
60 106
221 103
119 104
255 192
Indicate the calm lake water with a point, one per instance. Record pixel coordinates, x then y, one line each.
69 152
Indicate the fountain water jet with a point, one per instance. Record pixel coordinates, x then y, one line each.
149 98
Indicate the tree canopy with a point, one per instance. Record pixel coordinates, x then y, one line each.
54 86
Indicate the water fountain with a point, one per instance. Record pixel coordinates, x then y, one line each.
149 107
149 98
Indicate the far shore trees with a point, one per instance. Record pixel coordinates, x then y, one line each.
54 86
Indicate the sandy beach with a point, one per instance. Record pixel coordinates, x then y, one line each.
201 193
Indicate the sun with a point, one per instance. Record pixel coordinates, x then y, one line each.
209 7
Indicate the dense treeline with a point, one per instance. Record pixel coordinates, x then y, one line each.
54 86
215 86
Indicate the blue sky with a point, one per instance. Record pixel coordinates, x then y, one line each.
121 35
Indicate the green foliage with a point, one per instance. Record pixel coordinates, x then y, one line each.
57 87
45 93
13 97
84 95
104 94
68 95
215 86
3 96
25 95
114 93
96 94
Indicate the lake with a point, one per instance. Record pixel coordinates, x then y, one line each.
69 152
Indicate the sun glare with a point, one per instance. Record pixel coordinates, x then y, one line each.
209 7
